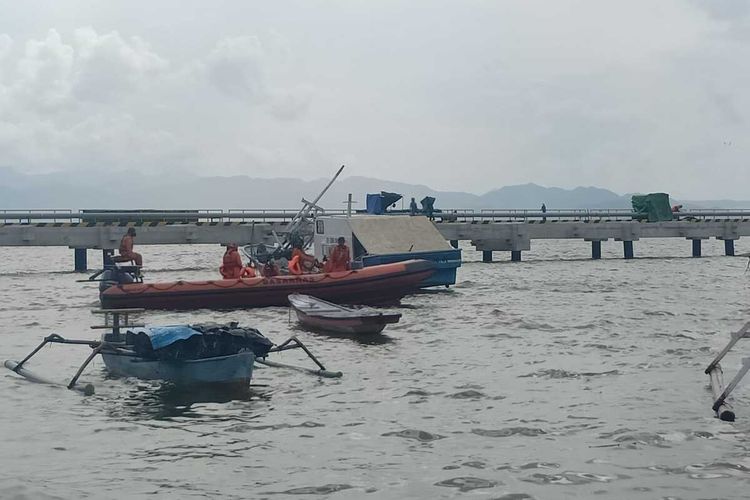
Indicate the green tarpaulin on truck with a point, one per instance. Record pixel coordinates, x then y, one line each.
653 207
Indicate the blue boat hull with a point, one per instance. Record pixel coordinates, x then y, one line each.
446 262
232 369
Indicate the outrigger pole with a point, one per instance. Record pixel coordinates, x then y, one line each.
720 393
295 343
88 389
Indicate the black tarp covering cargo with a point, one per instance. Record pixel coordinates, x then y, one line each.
200 341
653 207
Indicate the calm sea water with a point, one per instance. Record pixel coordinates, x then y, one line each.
557 377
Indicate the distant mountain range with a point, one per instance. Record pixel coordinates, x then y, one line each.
78 190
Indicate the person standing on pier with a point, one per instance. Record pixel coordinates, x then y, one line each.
413 207
544 211
126 248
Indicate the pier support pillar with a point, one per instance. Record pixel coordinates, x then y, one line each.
486 255
729 248
627 247
454 243
79 257
107 254
696 248
596 249
515 256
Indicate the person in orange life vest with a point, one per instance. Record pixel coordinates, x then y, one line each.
231 263
301 262
248 271
338 258
126 248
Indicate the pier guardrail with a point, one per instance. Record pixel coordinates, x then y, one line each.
285 215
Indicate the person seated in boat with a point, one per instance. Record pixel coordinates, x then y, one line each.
248 271
270 269
338 258
126 249
301 262
231 263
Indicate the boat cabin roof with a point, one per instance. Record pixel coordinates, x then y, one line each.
397 234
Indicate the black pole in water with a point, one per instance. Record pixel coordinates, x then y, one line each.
696 248
596 249
79 257
486 255
729 248
627 247
107 254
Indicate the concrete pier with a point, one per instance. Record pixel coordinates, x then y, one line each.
79 257
506 231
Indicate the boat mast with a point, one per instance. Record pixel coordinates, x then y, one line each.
308 207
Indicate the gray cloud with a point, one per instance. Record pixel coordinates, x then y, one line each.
632 96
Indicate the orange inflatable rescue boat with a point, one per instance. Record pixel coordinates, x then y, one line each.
386 283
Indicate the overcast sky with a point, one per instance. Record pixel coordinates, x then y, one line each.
461 95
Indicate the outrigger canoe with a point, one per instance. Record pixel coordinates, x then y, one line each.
325 316
202 354
383 284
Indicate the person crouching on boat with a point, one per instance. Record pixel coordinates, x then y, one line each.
301 263
338 258
270 269
231 263
126 249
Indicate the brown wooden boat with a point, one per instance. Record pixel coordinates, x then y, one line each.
383 284
326 316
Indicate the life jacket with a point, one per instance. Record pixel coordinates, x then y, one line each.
231 264
339 259
295 267
126 245
248 272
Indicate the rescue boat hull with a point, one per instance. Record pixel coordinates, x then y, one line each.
384 284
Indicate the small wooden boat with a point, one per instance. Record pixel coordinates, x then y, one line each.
322 315
381 284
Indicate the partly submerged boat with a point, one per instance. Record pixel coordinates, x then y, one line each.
382 284
186 354
322 315
181 354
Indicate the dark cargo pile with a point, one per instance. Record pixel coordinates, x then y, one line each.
214 340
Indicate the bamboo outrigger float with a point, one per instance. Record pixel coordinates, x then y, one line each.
721 406
124 357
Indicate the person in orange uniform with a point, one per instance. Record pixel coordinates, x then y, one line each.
126 248
231 264
339 258
301 263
